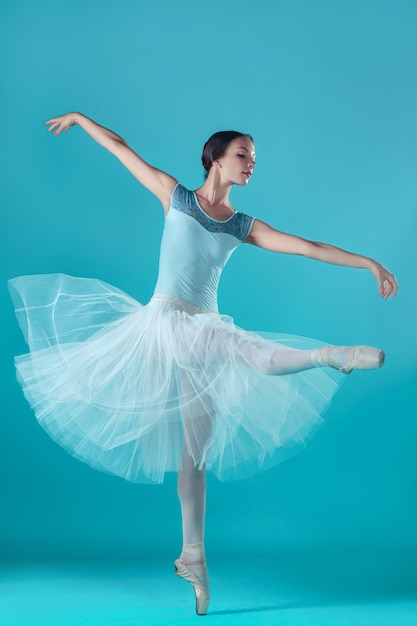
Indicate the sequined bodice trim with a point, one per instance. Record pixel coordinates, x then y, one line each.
238 225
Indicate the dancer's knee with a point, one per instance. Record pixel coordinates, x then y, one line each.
190 481
288 361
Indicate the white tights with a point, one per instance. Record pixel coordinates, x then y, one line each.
192 495
192 480
290 361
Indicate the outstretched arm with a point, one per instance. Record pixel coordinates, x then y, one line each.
157 181
266 237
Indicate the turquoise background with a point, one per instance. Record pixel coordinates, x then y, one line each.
328 91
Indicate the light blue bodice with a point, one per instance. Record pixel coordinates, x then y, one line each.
195 248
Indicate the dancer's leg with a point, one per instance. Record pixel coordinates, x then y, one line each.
342 358
197 427
232 345
269 358
221 345
192 563
290 361
192 496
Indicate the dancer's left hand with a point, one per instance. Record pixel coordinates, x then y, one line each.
387 283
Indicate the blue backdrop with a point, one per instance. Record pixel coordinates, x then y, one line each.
328 91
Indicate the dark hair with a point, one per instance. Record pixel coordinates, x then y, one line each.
216 146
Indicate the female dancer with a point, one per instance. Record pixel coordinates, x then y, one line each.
174 386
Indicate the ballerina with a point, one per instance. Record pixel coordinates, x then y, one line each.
138 390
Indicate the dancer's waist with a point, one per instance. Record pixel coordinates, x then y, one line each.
180 305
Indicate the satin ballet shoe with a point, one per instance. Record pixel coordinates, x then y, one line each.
367 358
202 594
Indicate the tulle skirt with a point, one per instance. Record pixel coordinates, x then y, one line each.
129 388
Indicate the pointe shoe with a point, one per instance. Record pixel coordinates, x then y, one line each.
202 594
366 359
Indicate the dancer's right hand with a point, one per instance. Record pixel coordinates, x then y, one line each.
62 122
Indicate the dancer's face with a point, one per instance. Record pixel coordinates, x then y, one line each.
238 162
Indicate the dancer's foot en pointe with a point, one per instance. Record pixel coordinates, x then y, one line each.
348 358
195 572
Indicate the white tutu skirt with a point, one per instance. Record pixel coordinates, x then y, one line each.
129 388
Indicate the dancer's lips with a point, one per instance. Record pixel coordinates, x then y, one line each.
247 174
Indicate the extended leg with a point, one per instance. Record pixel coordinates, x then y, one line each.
224 345
267 357
270 358
342 358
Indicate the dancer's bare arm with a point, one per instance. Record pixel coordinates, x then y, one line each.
269 238
157 181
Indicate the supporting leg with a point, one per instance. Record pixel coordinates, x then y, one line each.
192 495
197 427
192 563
